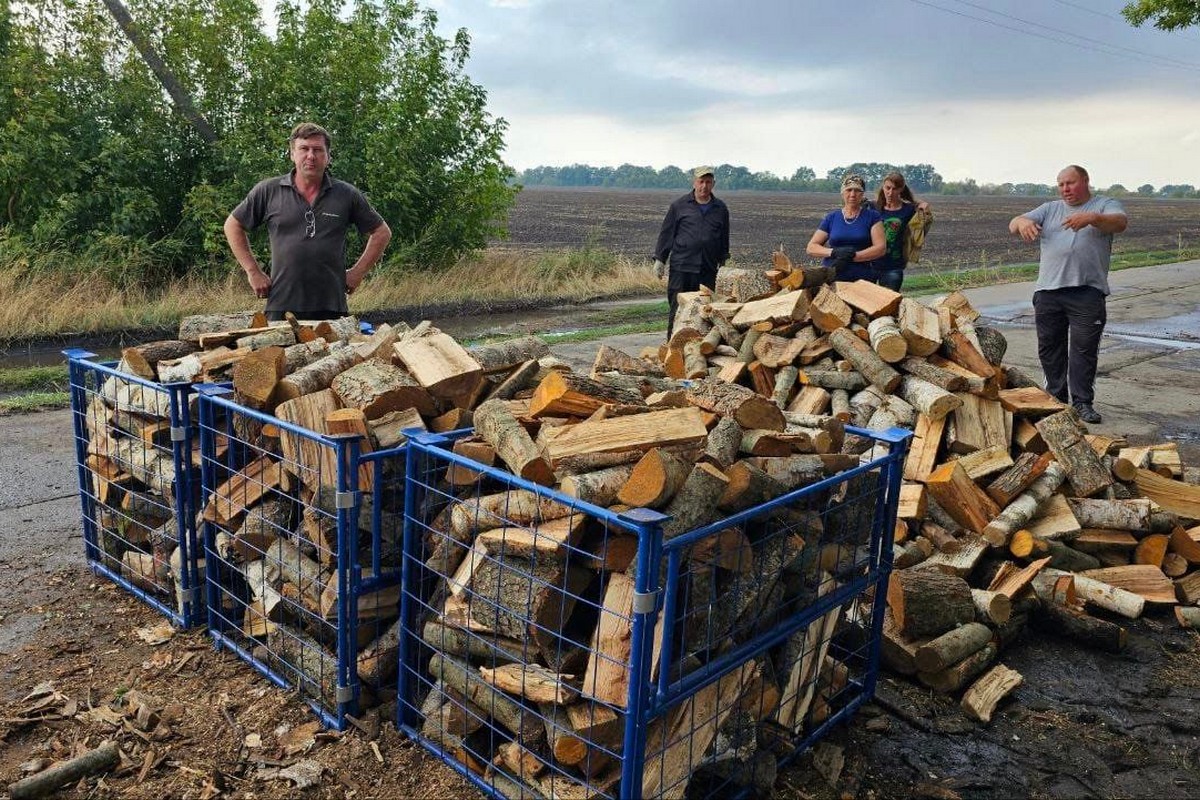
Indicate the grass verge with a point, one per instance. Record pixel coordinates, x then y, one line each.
34 379
34 401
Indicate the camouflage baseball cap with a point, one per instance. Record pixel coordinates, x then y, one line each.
700 172
854 181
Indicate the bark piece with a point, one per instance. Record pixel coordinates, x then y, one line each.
1064 435
1016 479
980 701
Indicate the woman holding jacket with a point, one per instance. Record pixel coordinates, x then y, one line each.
897 207
850 238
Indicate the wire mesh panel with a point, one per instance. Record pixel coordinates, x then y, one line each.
137 483
302 553
552 647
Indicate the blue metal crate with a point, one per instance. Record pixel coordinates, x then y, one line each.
686 663
301 534
137 483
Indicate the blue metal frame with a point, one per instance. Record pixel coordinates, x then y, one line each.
80 364
648 700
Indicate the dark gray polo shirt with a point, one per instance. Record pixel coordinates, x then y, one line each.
307 273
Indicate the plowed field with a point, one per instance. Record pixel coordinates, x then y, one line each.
968 232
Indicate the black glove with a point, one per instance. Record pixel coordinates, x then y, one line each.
842 255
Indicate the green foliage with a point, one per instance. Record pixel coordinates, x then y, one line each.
1167 15
96 156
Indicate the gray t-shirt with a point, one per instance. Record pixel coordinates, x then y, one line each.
1074 258
308 273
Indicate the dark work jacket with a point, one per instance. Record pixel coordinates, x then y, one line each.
695 242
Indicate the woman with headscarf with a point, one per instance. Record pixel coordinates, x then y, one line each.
850 238
897 206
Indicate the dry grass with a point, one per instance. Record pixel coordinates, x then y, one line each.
43 303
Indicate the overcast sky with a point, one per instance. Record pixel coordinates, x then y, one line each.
990 89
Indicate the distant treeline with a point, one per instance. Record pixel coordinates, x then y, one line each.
923 179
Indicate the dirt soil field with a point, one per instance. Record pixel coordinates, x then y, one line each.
968 232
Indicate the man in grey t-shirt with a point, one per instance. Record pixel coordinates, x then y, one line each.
1075 234
307 214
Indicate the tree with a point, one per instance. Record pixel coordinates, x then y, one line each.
1167 15
1145 190
94 151
1117 190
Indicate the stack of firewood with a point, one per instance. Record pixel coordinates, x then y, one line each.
1010 511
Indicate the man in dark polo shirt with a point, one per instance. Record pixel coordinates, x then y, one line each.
695 237
307 214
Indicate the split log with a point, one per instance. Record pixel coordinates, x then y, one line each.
927 398
865 360
1151 550
376 388
532 682
299 570
1020 511
748 486
256 376
780 351
779 308
927 602
977 424
1064 435
952 647
695 501
1121 515
942 378
985 462
341 329
1030 401
318 375
886 339
722 444
1175 496
991 607
960 674
655 480
142 360
870 298
919 326
636 432
980 701
729 400
466 680
301 355
515 507
1187 617
961 498
569 394
1025 470
442 366
924 446
483 646
828 311
497 425
601 487
959 349
503 356
386 430
281 336
1106 596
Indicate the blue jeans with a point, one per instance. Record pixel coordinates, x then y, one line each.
890 278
